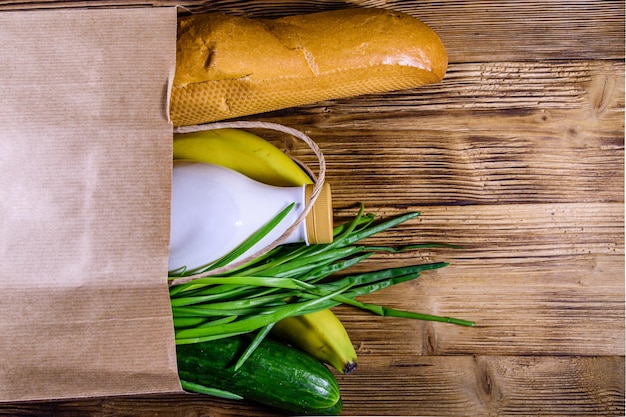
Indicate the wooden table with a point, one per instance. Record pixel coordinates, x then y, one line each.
518 156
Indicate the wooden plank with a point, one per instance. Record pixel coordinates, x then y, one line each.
175 405
478 31
486 386
480 167
484 31
537 279
415 385
514 87
532 320
488 134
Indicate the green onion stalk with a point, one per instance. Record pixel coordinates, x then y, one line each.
291 280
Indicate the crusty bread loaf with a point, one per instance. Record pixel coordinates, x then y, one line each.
229 66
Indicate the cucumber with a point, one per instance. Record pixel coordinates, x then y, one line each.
275 374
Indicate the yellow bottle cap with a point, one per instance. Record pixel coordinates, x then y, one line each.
319 221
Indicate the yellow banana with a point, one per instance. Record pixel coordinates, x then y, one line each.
241 151
320 334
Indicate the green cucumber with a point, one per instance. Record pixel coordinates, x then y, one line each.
275 374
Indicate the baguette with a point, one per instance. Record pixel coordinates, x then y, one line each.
229 66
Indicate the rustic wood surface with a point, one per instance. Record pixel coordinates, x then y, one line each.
518 156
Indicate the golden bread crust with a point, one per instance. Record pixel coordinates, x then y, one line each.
230 66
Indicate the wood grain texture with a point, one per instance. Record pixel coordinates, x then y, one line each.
476 31
487 385
438 386
488 134
517 157
564 288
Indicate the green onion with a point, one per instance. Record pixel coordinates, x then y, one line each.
201 389
255 342
252 321
291 280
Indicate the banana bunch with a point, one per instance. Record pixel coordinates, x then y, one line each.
320 334
243 152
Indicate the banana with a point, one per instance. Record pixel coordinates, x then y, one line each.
321 334
241 151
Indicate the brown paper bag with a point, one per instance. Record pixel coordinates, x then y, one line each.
85 163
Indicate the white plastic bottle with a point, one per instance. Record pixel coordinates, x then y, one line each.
214 209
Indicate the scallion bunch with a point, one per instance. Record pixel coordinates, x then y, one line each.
290 280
